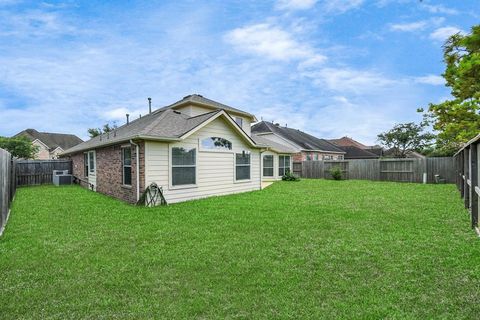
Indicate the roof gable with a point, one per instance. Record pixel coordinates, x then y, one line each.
348 142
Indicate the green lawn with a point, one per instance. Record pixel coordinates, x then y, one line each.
312 249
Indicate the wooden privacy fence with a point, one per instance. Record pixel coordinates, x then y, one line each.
7 186
402 170
36 172
467 172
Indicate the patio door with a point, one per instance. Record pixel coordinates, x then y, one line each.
92 169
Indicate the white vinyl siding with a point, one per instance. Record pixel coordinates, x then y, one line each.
215 170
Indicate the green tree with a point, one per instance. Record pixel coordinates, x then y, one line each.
20 147
458 120
93 132
406 137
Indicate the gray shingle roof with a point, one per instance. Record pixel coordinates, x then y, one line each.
302 139
196 98
165 123
52 140
353 152
264 142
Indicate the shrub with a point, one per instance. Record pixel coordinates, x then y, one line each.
288 176
336 173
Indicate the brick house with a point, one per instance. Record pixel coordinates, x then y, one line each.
49 145
194 148
357 150
306 147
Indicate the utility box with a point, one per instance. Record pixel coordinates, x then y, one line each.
61 177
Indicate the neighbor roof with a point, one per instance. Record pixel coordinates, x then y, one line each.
275 146
353 152
348 142
304 140
52 140
199 99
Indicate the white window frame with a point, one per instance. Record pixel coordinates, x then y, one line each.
243 165
126 166
289 164
263 165
241 121
171 166
202 149
92 169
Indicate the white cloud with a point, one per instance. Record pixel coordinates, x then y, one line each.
408 27
350 80
417 25
34 23
271 42
439 9
431 79
442 34
341 6
295 4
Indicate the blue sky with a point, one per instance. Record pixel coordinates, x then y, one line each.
330 68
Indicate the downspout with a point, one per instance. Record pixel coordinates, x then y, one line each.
137 170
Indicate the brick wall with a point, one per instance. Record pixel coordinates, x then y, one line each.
109 171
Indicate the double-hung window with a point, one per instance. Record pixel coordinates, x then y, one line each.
283 165
268 165
242 166
127 166
183 166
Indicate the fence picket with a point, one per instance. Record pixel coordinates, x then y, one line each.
402 170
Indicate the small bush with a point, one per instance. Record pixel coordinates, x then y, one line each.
336 173
288 176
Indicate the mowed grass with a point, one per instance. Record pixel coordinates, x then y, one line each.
310 250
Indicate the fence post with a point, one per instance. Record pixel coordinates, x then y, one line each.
466 164
474 183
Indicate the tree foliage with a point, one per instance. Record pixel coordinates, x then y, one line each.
406 137
20 147
93 132
458 120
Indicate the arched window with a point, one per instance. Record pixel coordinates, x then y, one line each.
216 143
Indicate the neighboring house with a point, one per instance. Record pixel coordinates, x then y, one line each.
306 147
392 153
194 148
49 145
357 150
352 152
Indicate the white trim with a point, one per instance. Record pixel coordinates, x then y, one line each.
46 147
272 167
170 167
289 164
202 149
232 123
243 165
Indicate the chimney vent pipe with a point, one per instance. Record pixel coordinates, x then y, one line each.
127 118
149 105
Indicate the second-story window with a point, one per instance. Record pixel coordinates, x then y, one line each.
239 121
